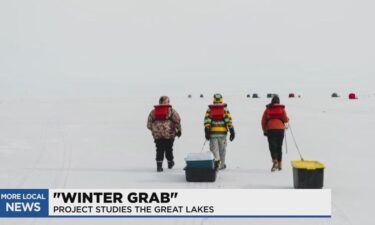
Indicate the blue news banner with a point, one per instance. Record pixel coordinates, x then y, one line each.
24 202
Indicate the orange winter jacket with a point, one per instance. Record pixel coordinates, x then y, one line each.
272 120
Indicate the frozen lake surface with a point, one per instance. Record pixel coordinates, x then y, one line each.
104 143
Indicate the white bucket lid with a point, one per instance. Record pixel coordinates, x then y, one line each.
199 156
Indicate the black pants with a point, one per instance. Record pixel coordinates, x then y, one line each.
275 142
164 146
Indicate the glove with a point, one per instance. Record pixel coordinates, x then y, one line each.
207 133
265 134
178 133
232 134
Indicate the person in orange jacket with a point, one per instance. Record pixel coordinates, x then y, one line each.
274 124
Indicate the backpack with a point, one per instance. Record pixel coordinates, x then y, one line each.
275 112
161 112
217 111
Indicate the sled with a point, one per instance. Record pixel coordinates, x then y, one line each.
200 174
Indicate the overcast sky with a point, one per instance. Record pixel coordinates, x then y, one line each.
132 47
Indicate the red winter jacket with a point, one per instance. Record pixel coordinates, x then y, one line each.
269 123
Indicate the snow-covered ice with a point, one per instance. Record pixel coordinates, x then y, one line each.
104 143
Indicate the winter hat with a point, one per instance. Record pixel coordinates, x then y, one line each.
218 98
163 99
275 99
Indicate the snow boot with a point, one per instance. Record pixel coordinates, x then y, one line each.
279 165
159 167
217 165
223 166
170 164
274 166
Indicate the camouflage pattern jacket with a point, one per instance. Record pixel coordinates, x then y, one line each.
164 129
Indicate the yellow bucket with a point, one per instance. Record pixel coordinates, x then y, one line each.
308 174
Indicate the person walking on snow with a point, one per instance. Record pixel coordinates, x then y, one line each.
274 124
165 124
217 122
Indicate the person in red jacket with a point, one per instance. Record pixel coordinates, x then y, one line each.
273 124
